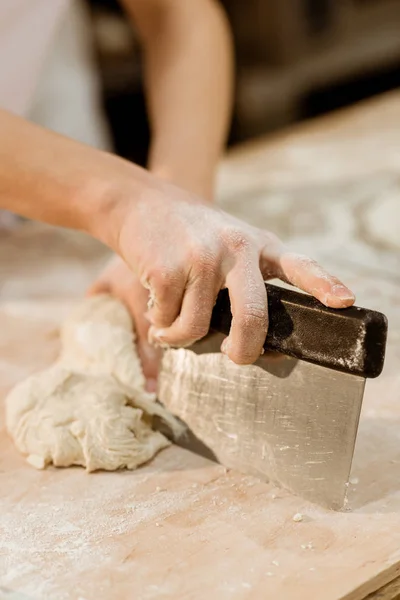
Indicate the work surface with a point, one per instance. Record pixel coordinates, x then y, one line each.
183 527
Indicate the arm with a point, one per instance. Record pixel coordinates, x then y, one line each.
48 177
188 78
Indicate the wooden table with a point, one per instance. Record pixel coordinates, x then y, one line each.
183 527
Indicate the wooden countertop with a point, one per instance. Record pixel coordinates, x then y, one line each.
183 527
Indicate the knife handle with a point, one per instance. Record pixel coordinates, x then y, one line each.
351 340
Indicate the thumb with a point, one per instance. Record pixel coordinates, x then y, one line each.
150 356
117 279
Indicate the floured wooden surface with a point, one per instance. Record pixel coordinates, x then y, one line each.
182 527
42 262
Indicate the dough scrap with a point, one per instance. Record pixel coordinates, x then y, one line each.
90 408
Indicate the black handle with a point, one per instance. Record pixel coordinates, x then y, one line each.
352 340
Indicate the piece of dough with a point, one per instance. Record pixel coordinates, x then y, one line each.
90 408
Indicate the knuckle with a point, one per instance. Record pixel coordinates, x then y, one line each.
166 277
242 356
162 278
299 260
149 276
254 316
236 239
196 331
203 261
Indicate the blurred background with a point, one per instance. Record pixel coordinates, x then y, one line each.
296 59
331 190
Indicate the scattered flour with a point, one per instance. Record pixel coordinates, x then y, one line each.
297 517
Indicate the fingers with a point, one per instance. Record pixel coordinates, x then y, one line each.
249 308
166 290
193 322
118 279
136 299
308 275
248 304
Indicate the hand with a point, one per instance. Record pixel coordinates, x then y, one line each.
117 279
185 252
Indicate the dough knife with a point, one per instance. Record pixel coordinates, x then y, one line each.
291 421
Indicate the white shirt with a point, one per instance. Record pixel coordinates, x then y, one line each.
47 69
47 72
27 28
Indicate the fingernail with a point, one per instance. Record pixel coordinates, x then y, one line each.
151 385
342 292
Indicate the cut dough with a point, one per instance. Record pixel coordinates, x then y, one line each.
90 408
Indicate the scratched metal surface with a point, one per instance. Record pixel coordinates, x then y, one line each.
286 421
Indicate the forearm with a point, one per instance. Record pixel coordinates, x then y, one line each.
188 71
50 178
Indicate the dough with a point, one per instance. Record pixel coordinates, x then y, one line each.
90 408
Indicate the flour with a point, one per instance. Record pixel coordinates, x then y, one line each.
352 361
40 545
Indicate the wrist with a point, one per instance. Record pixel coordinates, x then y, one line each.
104 221
118 194
201 185
109 198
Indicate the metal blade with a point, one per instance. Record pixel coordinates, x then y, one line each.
287 421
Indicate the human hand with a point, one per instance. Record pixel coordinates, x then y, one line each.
119 280
184 252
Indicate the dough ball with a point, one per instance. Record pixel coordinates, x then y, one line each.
90 408
67 419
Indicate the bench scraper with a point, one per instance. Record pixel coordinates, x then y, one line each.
292 421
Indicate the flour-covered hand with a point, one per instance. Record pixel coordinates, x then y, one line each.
185 252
